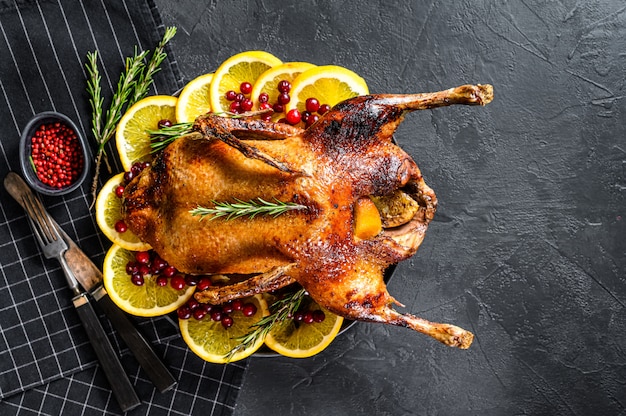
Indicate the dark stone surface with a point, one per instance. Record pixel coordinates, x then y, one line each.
528 247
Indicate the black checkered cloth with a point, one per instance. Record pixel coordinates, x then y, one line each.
47 365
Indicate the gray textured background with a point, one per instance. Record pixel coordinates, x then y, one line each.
527 249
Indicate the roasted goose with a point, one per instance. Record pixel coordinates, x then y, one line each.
347 156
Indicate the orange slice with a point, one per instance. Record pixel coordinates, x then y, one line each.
329 84
109 212
148 299
302 340
242 67
193 100
132 138
212 342
268 82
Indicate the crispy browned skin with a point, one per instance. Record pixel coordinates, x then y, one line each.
347 154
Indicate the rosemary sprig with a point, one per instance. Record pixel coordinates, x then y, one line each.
279 311
132 85
158 56
252 208
94 91
161 138
103 129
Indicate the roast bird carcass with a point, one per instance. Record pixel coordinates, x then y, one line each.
346 156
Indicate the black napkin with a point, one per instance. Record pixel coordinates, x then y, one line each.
43 349
203 389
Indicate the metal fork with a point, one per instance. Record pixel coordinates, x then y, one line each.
48 237
53 246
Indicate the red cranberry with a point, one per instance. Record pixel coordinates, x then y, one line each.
312 119
137 279
119 191
169 271
193 303
293 116
237 304
184 312
264 97
278 108
191 280
246 104
178 282
312 104
131 267
158 259
324 108
216 314
283 98
199 313
318 316
158 264
245 88
227 321
235 107
204 283
228 307
164 123
240 97
249 309
162 281
230 95
120 226
143 269
307 318
284 86
142 257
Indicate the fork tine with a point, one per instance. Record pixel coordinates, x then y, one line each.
40 221
36 231
51 229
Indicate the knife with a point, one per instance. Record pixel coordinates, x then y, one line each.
90 278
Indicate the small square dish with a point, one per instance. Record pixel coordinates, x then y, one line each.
54 156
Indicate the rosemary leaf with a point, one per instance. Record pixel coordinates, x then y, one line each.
161 138
94 91
125 87
279 311
252 208
145 78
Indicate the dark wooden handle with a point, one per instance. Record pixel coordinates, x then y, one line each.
121 386
156 370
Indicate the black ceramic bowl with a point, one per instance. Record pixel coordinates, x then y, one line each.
26 161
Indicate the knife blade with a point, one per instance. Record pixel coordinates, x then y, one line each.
90 278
